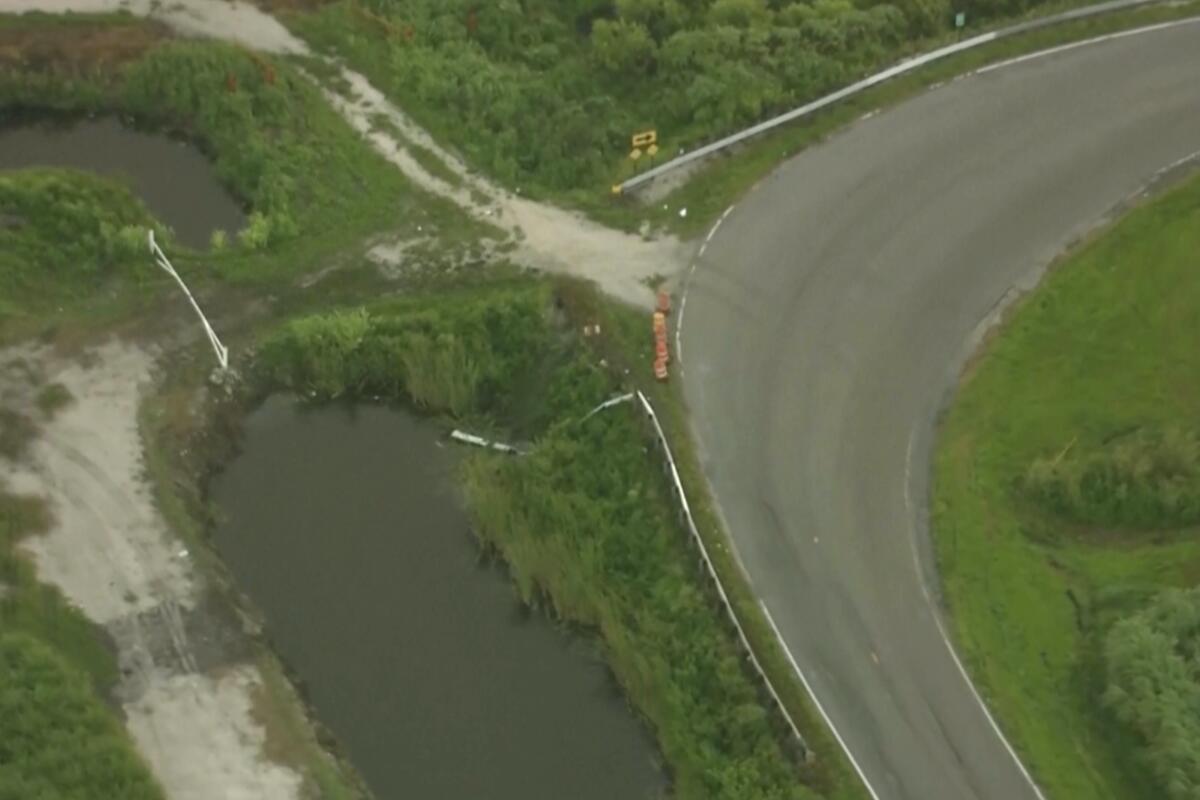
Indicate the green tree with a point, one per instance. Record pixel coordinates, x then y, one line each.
623 48
1153 663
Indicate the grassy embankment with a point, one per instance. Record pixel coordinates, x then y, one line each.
545 96
586 522
1066 486
72 253
311 188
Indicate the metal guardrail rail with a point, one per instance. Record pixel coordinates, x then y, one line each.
686 509
876 79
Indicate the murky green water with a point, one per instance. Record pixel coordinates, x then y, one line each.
175 181
343 526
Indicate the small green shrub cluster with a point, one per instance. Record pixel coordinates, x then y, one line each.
64 232
449 354
546 93
1149 479
1153 666
57 740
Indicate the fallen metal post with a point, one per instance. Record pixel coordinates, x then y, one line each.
479 441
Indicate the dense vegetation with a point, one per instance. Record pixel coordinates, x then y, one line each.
1063 503
58 741
308 181
1147 479
445 355
65 234
545 94
1153 662
581 522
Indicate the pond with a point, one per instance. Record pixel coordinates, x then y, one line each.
344 527
175 180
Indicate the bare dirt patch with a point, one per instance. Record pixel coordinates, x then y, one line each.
187 683
75 49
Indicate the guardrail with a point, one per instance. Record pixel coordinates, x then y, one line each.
876 79
165 265
686 509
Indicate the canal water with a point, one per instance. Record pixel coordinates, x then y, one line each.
342 524
175 180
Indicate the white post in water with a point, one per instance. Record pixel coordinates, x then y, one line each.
221 350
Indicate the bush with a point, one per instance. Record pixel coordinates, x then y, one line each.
1153 661
67 232
1147 479
453 353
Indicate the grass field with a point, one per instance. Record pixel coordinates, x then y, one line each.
1102 351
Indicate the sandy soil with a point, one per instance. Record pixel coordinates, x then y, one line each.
549 238
186 699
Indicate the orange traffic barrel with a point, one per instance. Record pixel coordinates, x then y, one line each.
660 351
664 301
660 369
660 321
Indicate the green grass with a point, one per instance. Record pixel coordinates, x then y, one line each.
57 737
1104 347
67 236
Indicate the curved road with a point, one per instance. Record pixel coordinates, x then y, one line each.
825 323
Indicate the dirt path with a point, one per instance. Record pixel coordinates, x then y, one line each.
186 698
549 238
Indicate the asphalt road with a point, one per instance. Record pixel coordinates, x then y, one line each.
827 320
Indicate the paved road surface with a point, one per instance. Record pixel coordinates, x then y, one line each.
824 325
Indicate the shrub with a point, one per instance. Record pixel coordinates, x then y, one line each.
1147 479
1153 663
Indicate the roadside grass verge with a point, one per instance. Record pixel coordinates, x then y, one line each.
629 347
1100 353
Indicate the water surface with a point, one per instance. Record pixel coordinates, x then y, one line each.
174 179
343 526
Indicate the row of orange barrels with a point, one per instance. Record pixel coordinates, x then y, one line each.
662 355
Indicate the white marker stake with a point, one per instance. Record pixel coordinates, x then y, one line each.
221 350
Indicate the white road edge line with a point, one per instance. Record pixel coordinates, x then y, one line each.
912 541
937 620
1073 45
813 696
687 285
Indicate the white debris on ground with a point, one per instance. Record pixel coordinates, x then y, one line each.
112 555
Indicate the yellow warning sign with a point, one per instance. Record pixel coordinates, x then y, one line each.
645 139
